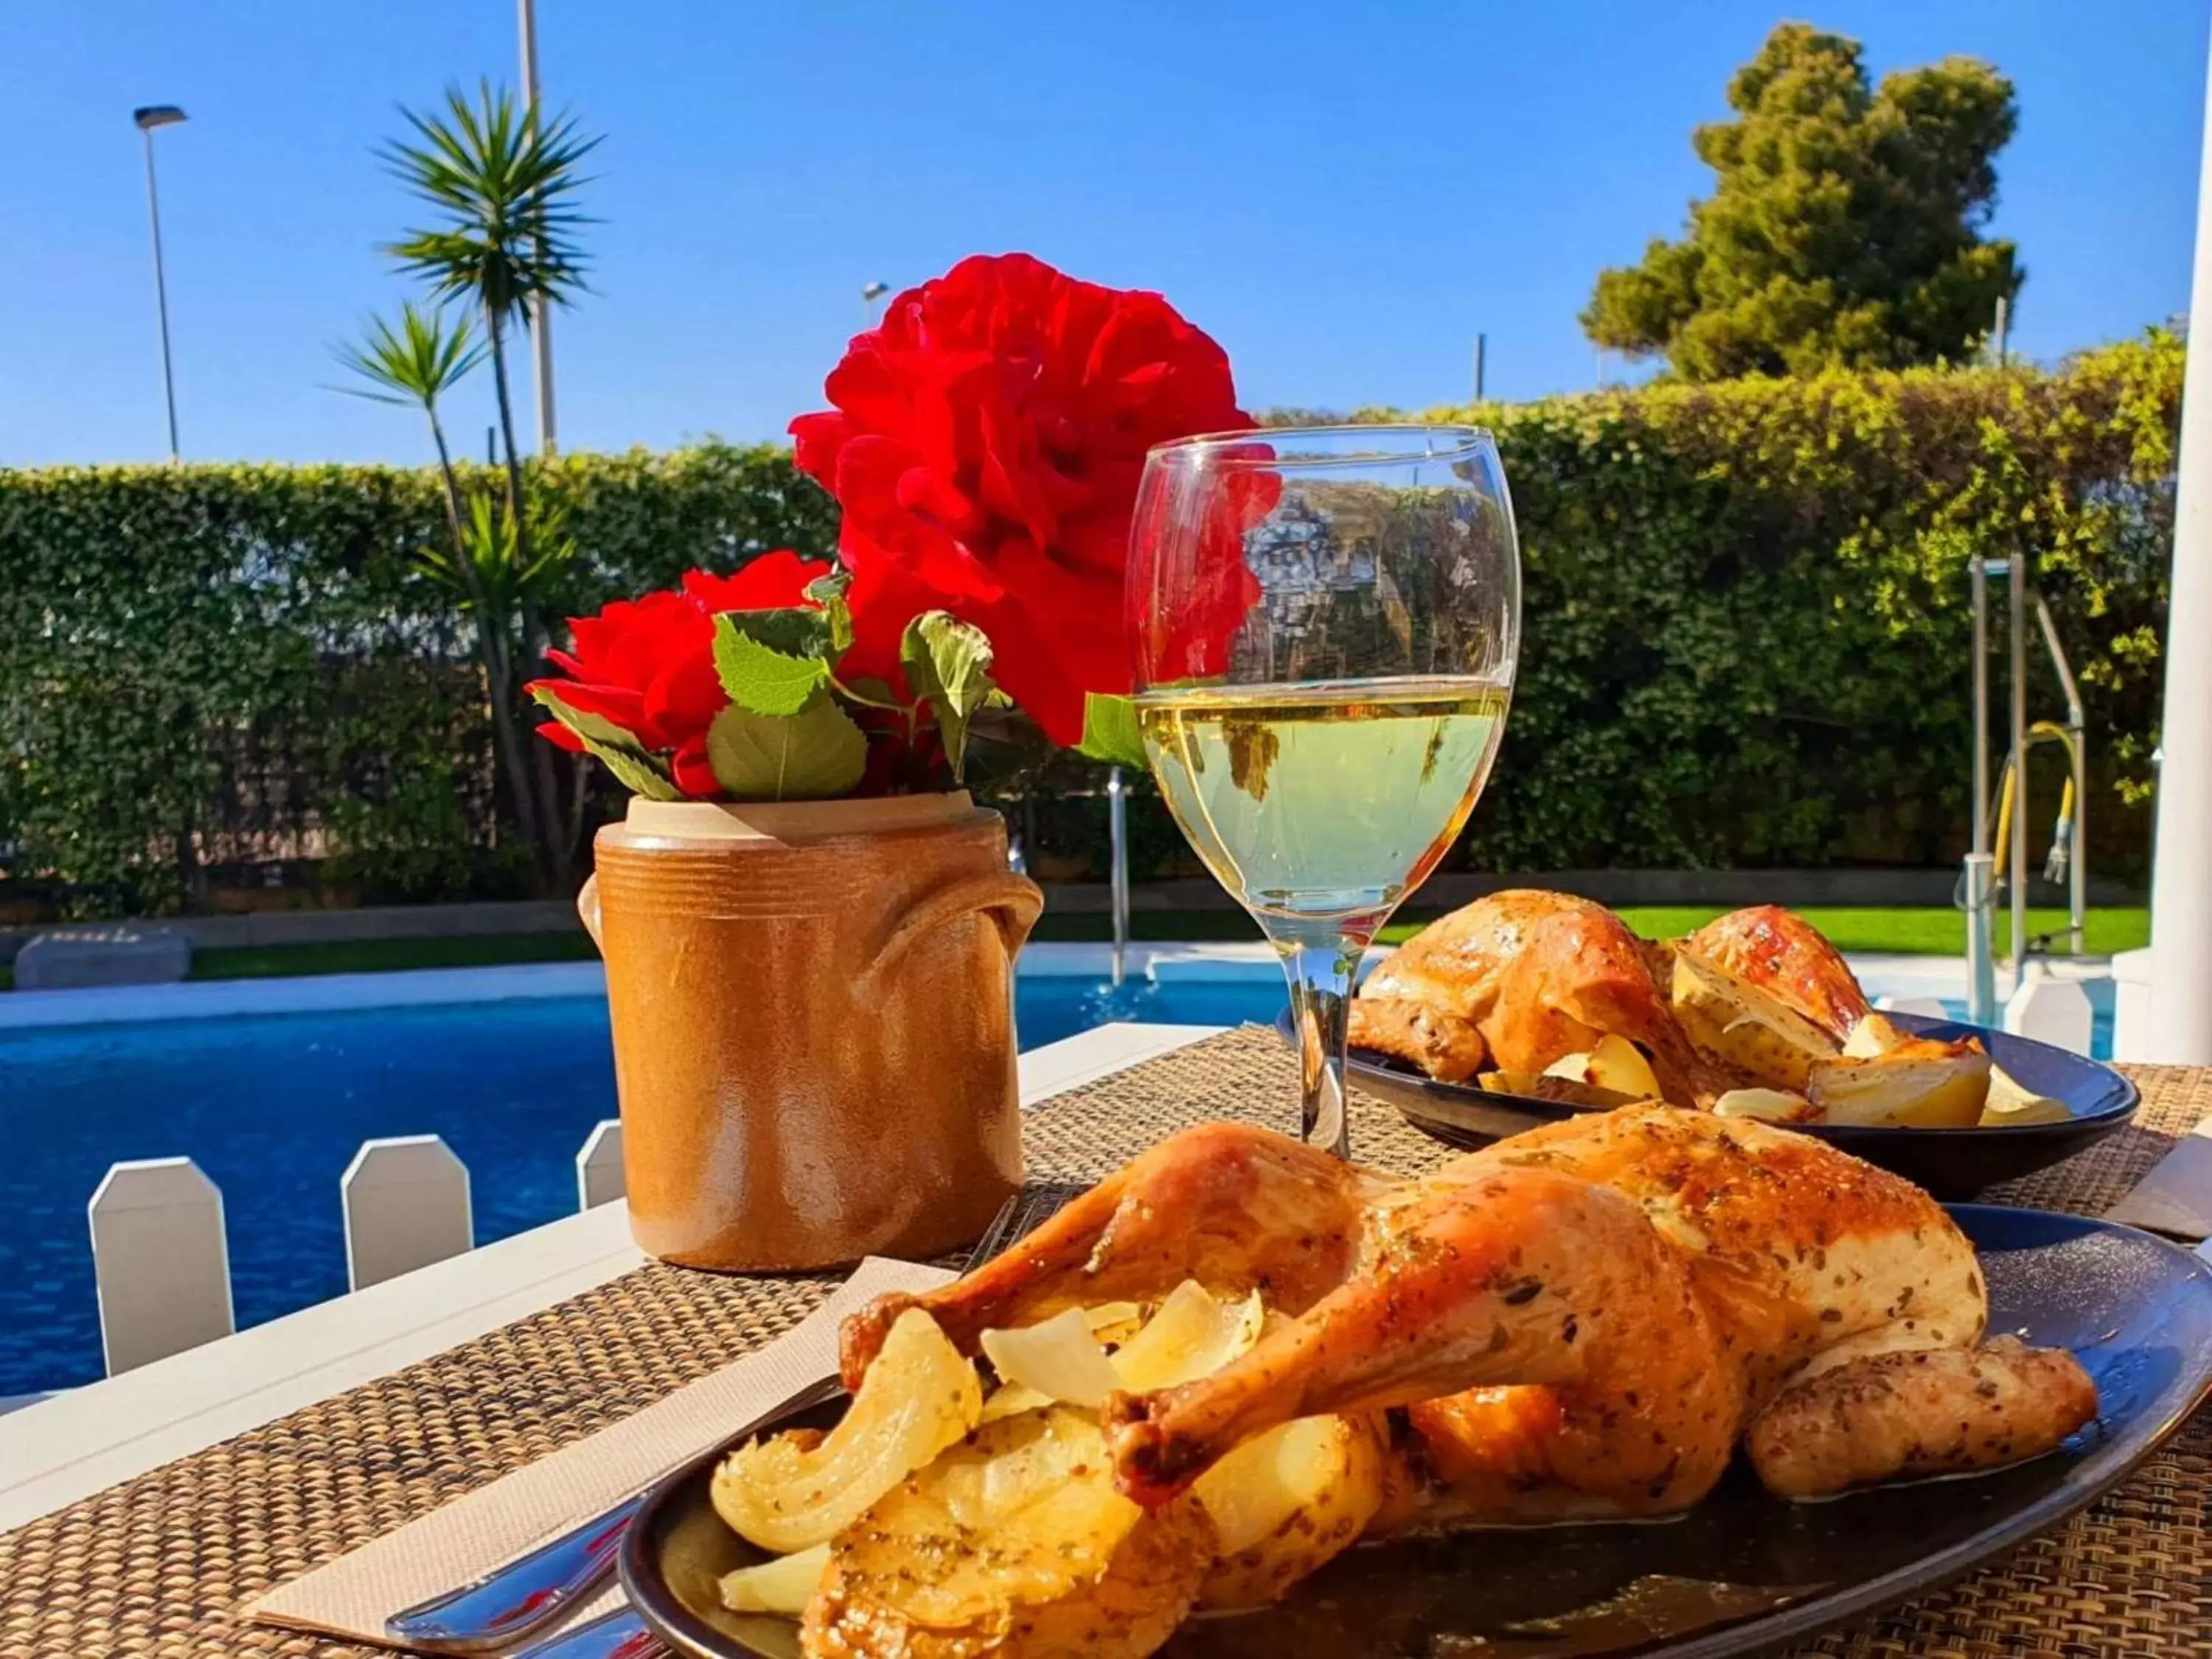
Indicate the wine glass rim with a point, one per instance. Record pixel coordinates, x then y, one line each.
1467 441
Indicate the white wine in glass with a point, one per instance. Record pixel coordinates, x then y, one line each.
1326 623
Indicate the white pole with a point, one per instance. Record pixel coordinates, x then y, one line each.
2016 854
1117 828
541 320
2180 1025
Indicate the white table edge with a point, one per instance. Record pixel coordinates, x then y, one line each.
85 1440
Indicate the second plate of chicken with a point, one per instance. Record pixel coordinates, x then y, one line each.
1528 1005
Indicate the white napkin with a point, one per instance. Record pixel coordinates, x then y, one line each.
2175 1196
352 1597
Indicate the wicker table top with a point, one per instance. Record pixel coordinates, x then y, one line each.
157 1564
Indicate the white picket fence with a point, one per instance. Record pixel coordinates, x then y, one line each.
162 1266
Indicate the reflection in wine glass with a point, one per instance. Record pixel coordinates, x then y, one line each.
1325 623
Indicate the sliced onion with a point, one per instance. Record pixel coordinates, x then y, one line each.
1115 1321
1058 1358
1193 1334
788 1493
782 1585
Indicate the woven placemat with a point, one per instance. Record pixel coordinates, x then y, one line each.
156 1565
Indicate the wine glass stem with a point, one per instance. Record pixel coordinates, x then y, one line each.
1319 970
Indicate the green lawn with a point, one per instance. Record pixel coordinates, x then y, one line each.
1932 932
372 956
1935 931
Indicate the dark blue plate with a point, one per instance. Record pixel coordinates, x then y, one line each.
1743 1572
1952 1163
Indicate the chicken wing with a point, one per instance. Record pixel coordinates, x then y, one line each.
1785 956
1443 1045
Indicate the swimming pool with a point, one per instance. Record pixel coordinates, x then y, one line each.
273 1106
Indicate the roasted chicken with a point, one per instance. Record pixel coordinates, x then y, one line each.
1584 1320
1753 1000
1540 976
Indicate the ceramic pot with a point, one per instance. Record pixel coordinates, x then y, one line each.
813 1025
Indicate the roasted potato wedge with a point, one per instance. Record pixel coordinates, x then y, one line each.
1872 1036
1741 1027
1286 1502
794 1490
1568 1091
1015 1544
2011 1102
1614 1065
1921 1083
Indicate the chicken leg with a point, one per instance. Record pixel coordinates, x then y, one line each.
1234 1207
1523 1276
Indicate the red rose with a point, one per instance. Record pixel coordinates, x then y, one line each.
985 448
647 664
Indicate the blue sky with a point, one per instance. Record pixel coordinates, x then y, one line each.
1342 194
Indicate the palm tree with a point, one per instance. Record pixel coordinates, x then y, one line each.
502 184
415 364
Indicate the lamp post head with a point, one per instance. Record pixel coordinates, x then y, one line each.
875 291
149 116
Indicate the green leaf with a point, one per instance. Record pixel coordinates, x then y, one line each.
796 630
814 755
635 770
948 663
633 767
828 593
759 677
1110 732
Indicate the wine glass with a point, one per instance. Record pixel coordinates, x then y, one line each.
1324 622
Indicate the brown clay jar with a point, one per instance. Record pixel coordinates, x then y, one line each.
813 1025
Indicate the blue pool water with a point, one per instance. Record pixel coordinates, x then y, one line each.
273 1107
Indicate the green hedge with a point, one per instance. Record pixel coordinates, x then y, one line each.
1748 626
1747 634
204 669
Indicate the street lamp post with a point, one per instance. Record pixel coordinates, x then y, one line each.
869 293
148 118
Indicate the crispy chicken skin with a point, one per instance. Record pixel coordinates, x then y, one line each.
1443 1045
1784 955
1455 962
1581 1321
1540 976
1545 975
1580 975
